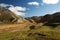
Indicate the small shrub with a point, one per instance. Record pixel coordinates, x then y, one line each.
32 27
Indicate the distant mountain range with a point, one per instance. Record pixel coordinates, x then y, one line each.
6 16
51 18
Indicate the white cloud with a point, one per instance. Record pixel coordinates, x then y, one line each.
54 11
33 3
5 5
16 9
20 8
50 1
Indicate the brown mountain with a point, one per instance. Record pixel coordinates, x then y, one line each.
51 17
6 16
35 19
46 18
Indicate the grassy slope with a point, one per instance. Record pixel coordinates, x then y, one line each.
50 34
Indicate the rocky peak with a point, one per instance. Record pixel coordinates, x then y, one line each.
6 16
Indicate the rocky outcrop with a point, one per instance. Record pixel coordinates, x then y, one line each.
6 16
34 19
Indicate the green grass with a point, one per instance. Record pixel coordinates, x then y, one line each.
51 34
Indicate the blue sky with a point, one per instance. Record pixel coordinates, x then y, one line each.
28 8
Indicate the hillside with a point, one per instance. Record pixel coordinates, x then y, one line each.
6 16
14 27
55 17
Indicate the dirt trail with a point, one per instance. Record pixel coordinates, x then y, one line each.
15 26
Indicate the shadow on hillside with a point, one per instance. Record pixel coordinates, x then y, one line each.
53 25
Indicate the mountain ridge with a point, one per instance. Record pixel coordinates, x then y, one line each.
46 18
6 16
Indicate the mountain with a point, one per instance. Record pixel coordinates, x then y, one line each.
6 16
55 17
36 19
31 28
